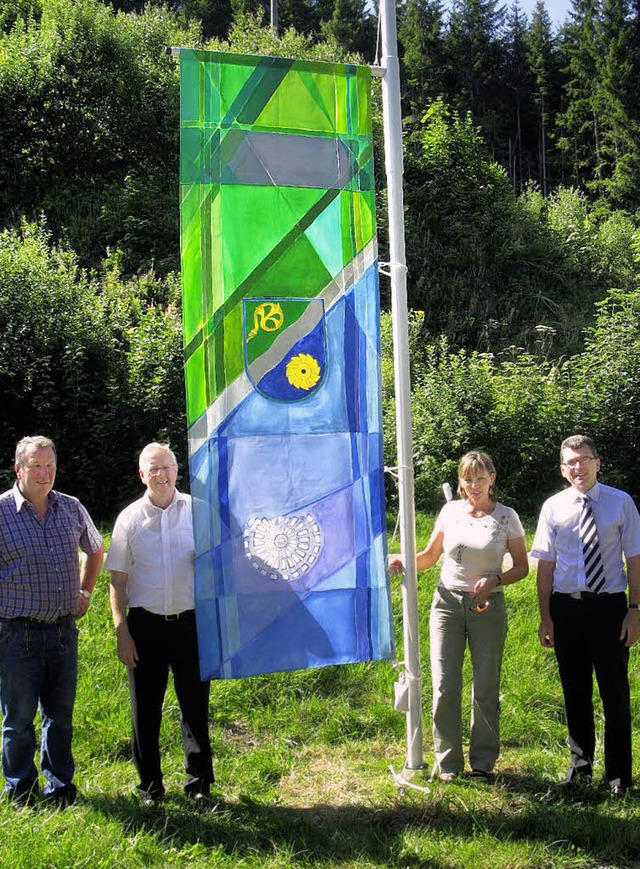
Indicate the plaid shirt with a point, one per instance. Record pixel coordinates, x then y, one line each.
39 565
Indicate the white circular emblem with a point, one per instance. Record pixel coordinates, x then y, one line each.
284 547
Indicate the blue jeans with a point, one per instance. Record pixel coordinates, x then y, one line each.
38 669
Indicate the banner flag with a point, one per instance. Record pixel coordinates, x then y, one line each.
282 363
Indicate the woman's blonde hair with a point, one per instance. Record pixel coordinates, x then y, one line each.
475 463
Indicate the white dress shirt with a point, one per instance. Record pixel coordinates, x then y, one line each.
155 548
557 537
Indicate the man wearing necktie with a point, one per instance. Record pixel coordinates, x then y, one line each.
582 536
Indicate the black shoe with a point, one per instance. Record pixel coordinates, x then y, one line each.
150 797
576 775
23 799
481 775
62 797
200 797
618 790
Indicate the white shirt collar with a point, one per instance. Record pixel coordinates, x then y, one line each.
178 498
593 493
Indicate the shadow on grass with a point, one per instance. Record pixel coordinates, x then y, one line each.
515 808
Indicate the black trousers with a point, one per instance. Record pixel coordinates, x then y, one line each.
162 646
587 639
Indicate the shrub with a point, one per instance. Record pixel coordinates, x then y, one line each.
517 410
605 386
90 115
97 366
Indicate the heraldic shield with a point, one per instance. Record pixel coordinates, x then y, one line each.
285 347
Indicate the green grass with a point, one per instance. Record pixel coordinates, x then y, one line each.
302 767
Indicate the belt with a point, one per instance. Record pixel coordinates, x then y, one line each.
43 623
171 617
585 595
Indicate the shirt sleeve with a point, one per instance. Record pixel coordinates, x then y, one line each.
514 528
90 539
631 532
440 520
119 553
543 547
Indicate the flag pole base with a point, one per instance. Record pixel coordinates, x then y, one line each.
405 778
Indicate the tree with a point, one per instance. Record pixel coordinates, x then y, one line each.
96 365
540 54
352 27
579 124
617 107
90 126
420 33
605 379
474 54
517 81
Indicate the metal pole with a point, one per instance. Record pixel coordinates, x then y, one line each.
392 120
274 15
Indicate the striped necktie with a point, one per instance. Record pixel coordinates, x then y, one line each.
593 569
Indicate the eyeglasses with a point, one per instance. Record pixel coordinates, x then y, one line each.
153 472
583 460
480 607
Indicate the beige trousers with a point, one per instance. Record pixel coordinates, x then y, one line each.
453 624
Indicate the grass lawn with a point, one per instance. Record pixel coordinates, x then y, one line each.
302 766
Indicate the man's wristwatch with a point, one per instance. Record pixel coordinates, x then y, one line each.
634 606
85 593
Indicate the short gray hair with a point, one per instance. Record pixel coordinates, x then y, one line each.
578 442
38 441
156 446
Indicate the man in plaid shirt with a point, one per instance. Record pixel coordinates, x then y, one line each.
43 591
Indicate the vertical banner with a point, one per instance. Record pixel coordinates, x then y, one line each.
282 363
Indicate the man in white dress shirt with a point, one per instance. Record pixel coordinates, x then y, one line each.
584 612
151 564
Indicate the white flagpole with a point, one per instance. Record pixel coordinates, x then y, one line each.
392 121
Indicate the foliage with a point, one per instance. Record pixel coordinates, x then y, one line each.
519 407
491 269
516 410
56 372
509 281
88 132
95 367
107 377
605 384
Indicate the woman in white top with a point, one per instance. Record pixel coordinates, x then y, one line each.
473 535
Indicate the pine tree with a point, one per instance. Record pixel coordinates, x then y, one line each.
215 15
617 107
518 84
474 53
420 34
300 14
352 27
579 124
541 64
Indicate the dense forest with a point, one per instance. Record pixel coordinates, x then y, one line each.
522 194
